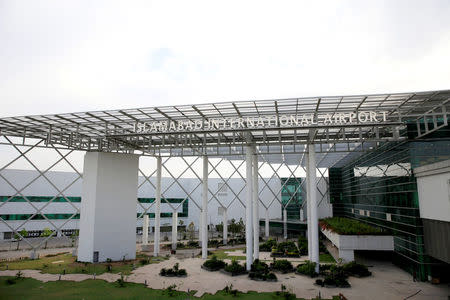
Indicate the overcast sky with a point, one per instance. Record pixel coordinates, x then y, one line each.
65 56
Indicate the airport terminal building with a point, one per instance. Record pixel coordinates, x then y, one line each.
381 159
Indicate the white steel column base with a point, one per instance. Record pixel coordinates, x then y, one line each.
255 200
205 208
312 192
157 234
108 209
145 230
174 230
225 226
266 224
249 208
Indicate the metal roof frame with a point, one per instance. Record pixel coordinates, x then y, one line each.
111 130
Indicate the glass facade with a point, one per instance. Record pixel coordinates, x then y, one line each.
379 188
291 197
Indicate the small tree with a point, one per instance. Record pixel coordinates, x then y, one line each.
74 237
22 234
46 233
219 228
191 231
182 229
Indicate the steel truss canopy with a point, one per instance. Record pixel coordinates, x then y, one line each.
335 124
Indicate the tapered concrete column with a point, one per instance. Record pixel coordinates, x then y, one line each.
255 206
145 230
157 207
174 229
249 207
312 191
225 225
266 224
285 223
205 208
108 209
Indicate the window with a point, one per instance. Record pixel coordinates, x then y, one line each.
222 189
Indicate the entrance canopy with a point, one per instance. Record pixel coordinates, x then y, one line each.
336 125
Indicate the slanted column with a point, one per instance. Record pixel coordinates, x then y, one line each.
255 206
110 184
312 192
225 225
266 223
249 208
157 207
174 229
204 224
145 230
285 223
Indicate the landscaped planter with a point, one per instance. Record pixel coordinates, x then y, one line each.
346 244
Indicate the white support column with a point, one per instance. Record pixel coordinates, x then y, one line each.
145 230
312 191
302 215
225 225
200 226
174 229
110 184
205 208
157 207
285 223
308 207
255 205
249 208
266 224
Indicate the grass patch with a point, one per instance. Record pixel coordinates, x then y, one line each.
33 289
347 226
220 254
57 264
326 258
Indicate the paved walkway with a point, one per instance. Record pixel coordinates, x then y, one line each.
387 282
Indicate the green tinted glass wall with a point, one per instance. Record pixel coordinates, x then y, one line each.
291 197
380 188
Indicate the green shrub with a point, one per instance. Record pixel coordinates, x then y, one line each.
308 268
282 265
267 245
302 245
260 271
336 277
214 264
355 269
175 271
346 226
235 268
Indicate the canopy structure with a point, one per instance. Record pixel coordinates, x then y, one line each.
335 124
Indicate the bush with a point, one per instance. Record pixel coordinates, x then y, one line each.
214 264
268 245
235 268
355 269
308 268
288 249
282 265
260 271
173 272
337 277
302 245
